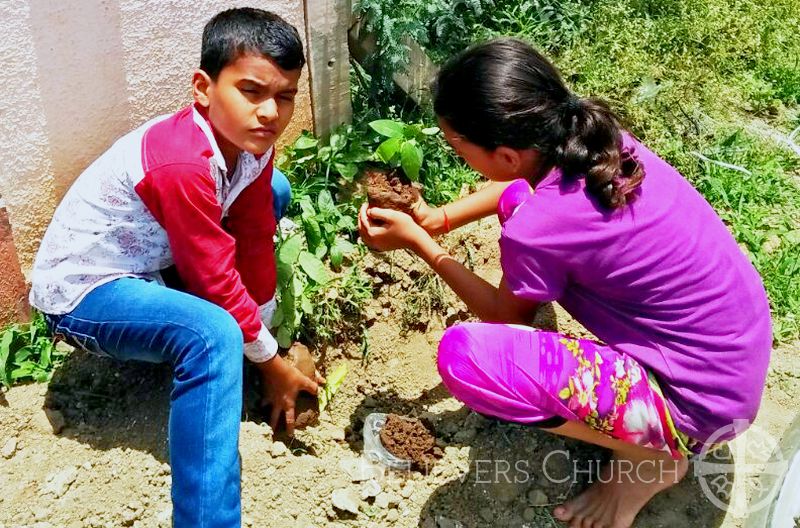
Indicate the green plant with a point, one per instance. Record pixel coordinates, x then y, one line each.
403 146
332 383
27 353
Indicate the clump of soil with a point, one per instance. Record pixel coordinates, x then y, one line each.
391 189
306 409
410 439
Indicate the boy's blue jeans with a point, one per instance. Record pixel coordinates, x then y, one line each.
133 319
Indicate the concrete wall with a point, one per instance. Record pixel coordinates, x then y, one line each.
78 74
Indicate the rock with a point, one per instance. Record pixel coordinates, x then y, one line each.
278 449
392 516
9 448
537 497
465 435
345 499
407 490
360 469
505 491
387 500
40 514
56 419
58 483
529 515
371 488
444 522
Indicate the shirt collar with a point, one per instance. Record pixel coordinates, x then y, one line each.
202 122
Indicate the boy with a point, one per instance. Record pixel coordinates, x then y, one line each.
189 190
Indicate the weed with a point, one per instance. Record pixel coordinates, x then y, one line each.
422 303
27 353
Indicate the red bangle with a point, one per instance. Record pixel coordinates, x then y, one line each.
446 220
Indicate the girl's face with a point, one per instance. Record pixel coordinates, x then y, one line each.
500 164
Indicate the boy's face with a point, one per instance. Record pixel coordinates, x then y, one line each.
250 103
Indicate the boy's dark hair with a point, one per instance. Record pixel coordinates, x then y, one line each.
236 32
505 93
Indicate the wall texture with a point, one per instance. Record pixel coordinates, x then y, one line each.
79 74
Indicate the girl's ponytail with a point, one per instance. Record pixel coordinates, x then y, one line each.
504 92
592 146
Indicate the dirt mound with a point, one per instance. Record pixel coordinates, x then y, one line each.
391 189
410 439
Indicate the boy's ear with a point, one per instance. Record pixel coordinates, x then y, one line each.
201 83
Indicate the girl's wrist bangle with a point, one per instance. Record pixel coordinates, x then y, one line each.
446 220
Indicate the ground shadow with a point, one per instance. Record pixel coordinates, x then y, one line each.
518 474
107 403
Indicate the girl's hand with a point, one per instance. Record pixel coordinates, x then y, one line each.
431 219
282 383
387 229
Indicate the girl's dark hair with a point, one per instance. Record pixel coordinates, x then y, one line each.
505 93
236 32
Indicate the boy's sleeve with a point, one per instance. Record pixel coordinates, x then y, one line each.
182 198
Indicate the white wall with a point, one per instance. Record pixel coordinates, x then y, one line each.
77 74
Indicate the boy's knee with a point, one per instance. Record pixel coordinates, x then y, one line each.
217 341
281 193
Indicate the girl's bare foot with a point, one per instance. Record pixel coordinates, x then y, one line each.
624 487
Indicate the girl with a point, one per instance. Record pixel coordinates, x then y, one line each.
597 222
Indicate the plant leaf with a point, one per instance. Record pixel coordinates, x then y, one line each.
388 149
325 203
388 128
332 384
305 142
284 337
313 233
287 257
313 267
5 351
411 159
277 318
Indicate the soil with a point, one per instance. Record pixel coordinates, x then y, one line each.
410 439
89 448
391 189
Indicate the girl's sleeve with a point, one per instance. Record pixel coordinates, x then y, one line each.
533 269
182 198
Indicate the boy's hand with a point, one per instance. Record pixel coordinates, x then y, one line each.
283 383
387 229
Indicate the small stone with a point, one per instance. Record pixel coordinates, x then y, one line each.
487 514
360 469
537 497
278 449
529 515
444 522
465 435
56 420
392 516
371 488
40 514
58 483
407 490
345 499
9 448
